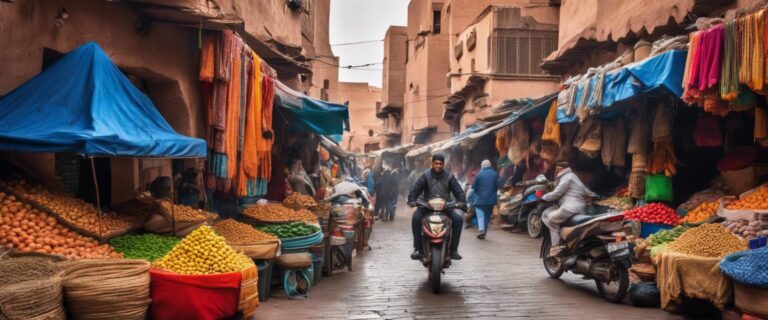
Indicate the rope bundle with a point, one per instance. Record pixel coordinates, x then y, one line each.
30 288
107 289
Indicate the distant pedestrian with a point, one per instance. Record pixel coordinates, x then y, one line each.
485 187
382 193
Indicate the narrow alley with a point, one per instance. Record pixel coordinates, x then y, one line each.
500 277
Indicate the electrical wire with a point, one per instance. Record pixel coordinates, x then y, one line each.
356 42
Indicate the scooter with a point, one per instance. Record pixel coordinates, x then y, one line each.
523 210
436 237
596 249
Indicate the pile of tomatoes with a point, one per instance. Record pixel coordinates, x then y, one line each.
654 213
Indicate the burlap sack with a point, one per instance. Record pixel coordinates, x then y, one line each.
680 275
638 137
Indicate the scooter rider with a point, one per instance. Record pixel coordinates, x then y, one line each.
433 183
572 196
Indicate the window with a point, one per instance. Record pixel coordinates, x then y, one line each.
519 52
436 22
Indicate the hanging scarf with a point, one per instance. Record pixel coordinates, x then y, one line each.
550 138
729 75
690 93
207 59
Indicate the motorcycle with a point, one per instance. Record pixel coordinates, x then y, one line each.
596 249
436 237
523 210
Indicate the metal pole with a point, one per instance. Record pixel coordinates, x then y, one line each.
173 203
98 197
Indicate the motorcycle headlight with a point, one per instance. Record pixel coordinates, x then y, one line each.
437 204
436 228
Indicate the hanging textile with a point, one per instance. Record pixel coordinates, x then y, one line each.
250 157
745 100
614 144
231 134
691 93
729 75
588 139
518 146
503 137
710 51
714 105
207 59
752 69
550 138
707 132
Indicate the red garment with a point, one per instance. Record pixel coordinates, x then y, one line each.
705 67
194 297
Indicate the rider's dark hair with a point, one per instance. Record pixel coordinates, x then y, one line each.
438 157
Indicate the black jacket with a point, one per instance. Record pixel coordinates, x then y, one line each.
445 180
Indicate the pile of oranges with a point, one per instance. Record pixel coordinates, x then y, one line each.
702 212
755 200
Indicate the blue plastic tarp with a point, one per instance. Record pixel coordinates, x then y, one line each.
305 114
664 72
84 104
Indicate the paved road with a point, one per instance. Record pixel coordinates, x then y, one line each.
500 277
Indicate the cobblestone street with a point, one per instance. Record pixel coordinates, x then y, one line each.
500 277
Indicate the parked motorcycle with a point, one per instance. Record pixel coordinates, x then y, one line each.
523 209
436 237
595 249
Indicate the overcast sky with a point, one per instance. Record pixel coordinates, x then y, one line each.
363 20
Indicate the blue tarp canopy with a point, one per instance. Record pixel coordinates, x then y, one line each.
84 104
304 113
664 72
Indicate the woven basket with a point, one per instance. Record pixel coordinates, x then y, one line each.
107 289
249 292
35 299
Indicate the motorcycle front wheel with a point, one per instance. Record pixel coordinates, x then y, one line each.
435 269
534 222
554 268
614 291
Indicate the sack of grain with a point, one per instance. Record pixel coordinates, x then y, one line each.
107 289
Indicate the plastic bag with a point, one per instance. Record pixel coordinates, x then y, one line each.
658 188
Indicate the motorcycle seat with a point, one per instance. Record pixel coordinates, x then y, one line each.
578 219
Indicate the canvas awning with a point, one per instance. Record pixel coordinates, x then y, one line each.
662 72
304 113
84 104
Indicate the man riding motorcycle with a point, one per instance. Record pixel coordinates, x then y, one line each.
437 183
572 196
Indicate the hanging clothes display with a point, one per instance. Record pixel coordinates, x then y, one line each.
761 126
729 74
550 138
518 146
239 101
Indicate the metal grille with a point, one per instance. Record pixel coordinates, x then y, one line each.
519 52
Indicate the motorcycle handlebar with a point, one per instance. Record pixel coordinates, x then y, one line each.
450 205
